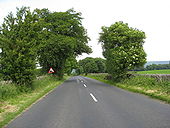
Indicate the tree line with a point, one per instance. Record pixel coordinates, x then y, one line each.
92 65
153 67
123 49
49 38
55 39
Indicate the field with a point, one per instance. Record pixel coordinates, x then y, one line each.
166 71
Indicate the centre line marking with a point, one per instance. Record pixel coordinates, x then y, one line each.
85 86
94 98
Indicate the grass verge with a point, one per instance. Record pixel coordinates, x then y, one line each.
141 84
14 104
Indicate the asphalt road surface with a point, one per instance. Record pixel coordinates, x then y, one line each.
82 102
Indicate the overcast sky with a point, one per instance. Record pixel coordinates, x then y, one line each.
150 16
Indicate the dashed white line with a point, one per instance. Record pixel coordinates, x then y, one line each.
94 98
85 86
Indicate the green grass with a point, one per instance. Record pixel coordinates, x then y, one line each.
15 102
141 84
166 71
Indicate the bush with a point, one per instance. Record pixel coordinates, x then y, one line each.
146 82
140 81
18 40
11 90
8 91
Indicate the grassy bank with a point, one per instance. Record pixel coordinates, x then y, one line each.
166 71
14 100
141 84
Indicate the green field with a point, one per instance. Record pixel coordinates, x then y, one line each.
166 71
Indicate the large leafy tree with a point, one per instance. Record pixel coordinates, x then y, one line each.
101 64
93 65
89 65
64 37
70 65
122 48
18 42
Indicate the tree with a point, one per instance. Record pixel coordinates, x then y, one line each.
93 65
64 37
18 42
89 65
157 66
71 63
101 64
122 48
79 70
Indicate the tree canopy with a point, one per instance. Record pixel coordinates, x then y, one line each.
65 38
93 65
18 41
49 38
122 48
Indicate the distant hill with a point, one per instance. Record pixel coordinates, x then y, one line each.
157 62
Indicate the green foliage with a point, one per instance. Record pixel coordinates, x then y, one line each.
55 53
141 84
141 81
64 38
93 65
18 42
8 91
71 63
157 66
89 65
149 83
50 38
41 87
101 64
38 72
122 48
152 67
79 70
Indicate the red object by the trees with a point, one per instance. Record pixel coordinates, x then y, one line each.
51 70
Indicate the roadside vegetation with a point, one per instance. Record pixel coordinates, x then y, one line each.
123 49
140 84
40 36
36 37
54 40
14 100
153 67
92 65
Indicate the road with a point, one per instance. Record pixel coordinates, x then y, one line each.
82 102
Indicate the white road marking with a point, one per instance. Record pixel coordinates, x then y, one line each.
94 98
85 86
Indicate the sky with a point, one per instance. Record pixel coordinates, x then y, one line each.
150 16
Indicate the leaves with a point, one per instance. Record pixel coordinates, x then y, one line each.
122 48
64 38
93 65
18 55
50 38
